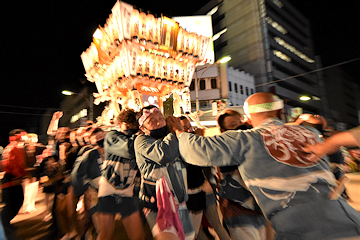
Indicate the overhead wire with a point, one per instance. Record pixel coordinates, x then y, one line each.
316 70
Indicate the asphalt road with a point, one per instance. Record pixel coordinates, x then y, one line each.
32 226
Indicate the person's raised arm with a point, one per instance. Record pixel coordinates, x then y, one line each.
54 123
332 144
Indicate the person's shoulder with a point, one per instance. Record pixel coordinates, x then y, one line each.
142 139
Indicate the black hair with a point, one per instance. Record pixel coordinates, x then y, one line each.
127 116
228 112
16 131
96 130
183 117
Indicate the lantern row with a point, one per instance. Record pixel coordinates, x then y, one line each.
134 44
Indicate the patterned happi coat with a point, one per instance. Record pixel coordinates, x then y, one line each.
119 167
270 161
274 168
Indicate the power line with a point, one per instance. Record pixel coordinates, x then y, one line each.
3 105
20 113
316 70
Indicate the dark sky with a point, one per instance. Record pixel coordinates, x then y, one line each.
336 29
41 43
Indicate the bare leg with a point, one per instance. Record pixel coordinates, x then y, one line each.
71 201
211 213
106 226
166 236
134 227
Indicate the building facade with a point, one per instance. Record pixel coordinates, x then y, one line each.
270 40
220 84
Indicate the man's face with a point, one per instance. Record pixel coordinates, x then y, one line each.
155 120
232 122
186 125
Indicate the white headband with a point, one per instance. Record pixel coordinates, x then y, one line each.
263 107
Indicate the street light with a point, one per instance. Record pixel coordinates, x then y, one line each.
220 61
305 98
89 102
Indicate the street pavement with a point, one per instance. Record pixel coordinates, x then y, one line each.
32 226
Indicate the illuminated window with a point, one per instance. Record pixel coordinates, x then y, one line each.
278 3
276 25
235 87
281 56
241 89
293 50
216 36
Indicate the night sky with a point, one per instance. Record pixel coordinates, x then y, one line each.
41 43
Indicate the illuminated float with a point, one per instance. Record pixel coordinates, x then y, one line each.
137 59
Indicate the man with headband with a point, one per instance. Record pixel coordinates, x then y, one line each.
291 189
158 157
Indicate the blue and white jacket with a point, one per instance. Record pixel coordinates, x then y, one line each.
86 171
160 158
119 167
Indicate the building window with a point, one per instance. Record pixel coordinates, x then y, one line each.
203 104
247 91
252 91
241 89
281 55
293 50
202 84
235 86
192 86
230 87
276 25
213 83
278 3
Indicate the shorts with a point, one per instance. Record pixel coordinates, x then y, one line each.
184 217
118 204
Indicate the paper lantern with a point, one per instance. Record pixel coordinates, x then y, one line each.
146 63
152 63
157 31
182 72
197 45
136 98
135 24
191 43
158 70
186 102
164 67
180 40
170 65
186 42
150 24
139 63
142 34
169 31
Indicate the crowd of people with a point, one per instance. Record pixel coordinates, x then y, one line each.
260 179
